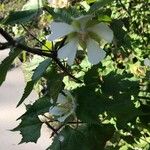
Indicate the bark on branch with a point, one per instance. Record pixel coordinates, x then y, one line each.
11 42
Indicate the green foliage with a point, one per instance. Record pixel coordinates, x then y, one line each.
30 11
65 15
54 82
6 63
112 107
99 4
114 98
39 71
20 17
30 125
85 107
121 36
92 76
83 137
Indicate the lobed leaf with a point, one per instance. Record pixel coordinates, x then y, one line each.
87 99
6 63
114 97
30 125
20 17
121 36
63 15
54 83
85 137
39 71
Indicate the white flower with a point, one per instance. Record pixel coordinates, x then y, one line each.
147 62
81 32
65 106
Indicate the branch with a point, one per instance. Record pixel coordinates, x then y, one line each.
53 129
65 70
53 54
4 45
6 35
14 43
33 36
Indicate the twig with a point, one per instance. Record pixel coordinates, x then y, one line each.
53 129
53 133
62 43
34 36
4 45
65 70
53 54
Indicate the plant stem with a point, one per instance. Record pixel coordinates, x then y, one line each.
53 54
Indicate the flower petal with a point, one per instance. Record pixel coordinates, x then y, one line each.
61 99
59 29
103 31
68 94
56 111
68 51
63 118
83 21
95 53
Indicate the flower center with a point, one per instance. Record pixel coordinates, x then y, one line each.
83 36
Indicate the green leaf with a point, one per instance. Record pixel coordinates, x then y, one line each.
30 129
28 89
99 4
146 110
104 18
92 76
120 89
123 110
20 17
114 97
63 15
39 107
121 36
6 63
85 137
97 135
39 71
54 82
30 125
73 140
30 66
87 99
114 84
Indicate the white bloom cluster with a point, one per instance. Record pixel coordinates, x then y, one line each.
65 106
81 32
